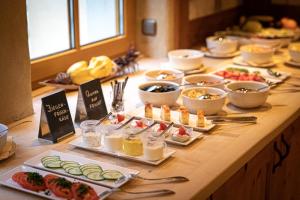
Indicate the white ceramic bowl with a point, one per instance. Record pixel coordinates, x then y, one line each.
257 54
185 59
3 136
294 50
221 46
250 99
159 98
152 75
276 43
209 106
218 81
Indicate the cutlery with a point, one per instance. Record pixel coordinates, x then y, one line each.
239 118
274 73
104 118
127 122
153 192
176 179
221 121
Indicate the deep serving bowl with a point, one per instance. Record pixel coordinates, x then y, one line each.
153 75
206 80
258 54
185 59
294 50
159 98
249 99
3 136
209 106
221 45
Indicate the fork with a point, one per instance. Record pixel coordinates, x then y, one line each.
154 192
169 179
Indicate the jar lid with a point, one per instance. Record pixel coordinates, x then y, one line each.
88 123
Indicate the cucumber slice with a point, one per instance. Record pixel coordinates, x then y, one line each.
49 161
70 165
68 162
95 176
112 174
88 165
87 171
74 171
92 167
50 157
53 164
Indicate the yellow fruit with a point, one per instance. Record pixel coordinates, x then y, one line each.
101 66
79 72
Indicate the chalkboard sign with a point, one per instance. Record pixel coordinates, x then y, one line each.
90 102
56 121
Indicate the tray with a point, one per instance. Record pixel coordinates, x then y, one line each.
36 163
139 113
78 143
6 180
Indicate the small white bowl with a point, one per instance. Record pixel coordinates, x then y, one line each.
216 81
221 46
159 98
209 106
153 75
250 99
257 54
272 43
294 50
185 59
3 136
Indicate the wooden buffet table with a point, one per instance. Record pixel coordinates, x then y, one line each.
208 163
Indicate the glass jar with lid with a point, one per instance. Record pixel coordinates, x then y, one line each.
90 136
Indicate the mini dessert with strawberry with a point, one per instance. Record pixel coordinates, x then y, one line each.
117 119
181 135
161 128
139 124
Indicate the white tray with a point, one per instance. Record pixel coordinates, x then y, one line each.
78 143
194 136
139 112
6 180
36 163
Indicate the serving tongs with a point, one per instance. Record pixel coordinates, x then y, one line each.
222 119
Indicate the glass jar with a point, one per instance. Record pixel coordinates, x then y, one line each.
132 142
112 140
154 146
90 136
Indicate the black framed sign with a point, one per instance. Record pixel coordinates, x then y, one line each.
90 102
56 122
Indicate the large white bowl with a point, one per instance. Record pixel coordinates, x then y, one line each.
209 106
185 59
294 50
3 136
151 73
221 46
159 98
261 57
198 78
249 99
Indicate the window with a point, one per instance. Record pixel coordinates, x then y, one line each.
61 32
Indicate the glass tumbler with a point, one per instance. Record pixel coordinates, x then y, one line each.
90 136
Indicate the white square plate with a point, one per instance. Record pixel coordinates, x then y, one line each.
36 163
78 143
194 136
6 180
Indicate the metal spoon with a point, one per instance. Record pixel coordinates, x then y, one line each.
104 118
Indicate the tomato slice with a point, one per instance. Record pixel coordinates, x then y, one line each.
49 180
57 188
83 191
23 181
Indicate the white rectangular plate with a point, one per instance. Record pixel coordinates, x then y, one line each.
36 163
139 112
6 180
194 136
78 143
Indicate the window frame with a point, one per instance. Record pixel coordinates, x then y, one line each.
49 66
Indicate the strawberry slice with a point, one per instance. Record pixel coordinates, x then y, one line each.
120 118
181 131
139 124
162 126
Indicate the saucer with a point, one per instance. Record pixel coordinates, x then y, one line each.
181 68
9 149
291 62
239 61
218 55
